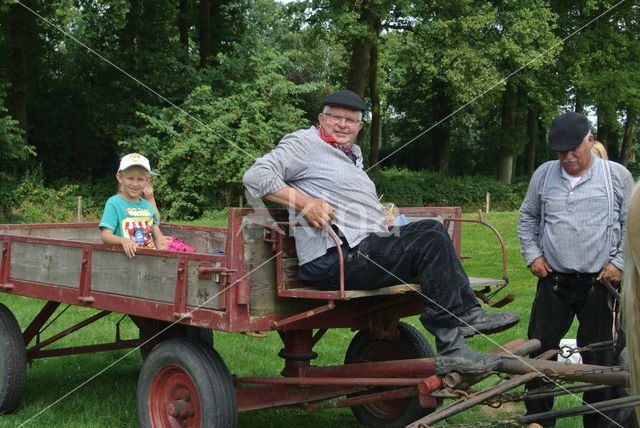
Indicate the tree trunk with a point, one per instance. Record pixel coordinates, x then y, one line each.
361 51
508 132
361 59
532 139
441 134
376 119
629 132
443 145
20 50
579 105
183 26
149 39
604 128
132 27
204 27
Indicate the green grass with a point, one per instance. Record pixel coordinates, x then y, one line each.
108 400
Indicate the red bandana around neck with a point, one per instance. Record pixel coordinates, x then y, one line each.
346 148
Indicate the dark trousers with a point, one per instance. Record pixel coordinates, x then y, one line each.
422 249
558 299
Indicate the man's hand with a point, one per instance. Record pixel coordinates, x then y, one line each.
540 268
610 273
318 212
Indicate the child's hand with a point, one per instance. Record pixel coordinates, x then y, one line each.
163 244
129 248
147 193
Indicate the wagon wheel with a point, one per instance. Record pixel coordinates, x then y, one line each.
13 362
205 335
410 343
184 383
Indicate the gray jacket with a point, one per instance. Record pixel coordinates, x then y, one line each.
573 228
304 161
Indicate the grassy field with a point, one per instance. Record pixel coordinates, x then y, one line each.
106 398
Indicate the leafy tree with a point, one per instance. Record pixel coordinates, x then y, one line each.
13 151
203 150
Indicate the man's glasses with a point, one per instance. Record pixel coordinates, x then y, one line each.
335 119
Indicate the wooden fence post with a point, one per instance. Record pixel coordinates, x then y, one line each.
80 218
487 202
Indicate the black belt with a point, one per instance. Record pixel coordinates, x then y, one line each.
576 275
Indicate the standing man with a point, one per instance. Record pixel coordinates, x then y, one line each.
570 228
318 173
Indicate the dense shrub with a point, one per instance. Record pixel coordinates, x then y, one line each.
33 202
13 151
423 188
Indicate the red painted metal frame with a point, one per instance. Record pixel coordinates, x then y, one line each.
234 297
83 295
303 383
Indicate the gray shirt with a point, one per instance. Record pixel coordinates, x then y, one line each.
304 161
575 234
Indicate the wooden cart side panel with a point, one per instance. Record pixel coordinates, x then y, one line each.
81 234
50 264
260 264
202 292
202 240
145 276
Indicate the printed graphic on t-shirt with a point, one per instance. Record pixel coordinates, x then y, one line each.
138 227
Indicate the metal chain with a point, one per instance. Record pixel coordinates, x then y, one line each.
508 397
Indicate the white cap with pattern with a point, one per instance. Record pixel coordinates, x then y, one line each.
135 159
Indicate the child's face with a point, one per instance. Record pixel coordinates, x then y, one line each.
132 181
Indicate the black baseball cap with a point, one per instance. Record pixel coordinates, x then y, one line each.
567 131
347 99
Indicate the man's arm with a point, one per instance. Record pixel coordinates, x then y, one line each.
529 225
317 211
270 176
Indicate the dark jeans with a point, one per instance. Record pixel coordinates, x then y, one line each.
558 299
422 249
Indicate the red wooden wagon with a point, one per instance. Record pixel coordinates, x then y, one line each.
176 299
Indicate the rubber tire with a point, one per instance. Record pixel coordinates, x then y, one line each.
205 335
207 371
410 343
13 362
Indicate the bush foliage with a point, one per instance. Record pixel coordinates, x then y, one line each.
203 149
423 188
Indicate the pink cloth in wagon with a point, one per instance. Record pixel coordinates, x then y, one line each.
175 244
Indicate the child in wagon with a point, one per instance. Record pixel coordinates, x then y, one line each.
129 219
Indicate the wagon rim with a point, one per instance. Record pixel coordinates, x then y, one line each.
173 399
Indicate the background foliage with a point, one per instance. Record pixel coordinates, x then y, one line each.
456 88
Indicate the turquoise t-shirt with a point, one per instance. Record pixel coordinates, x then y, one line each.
128 219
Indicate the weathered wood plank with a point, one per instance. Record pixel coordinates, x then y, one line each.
407 288
202 292
264 298
144 276
51 264
82 234
203 241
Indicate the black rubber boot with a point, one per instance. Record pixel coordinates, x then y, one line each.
455 355
477 320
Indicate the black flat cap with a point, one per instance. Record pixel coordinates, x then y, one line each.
347 99
567 131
